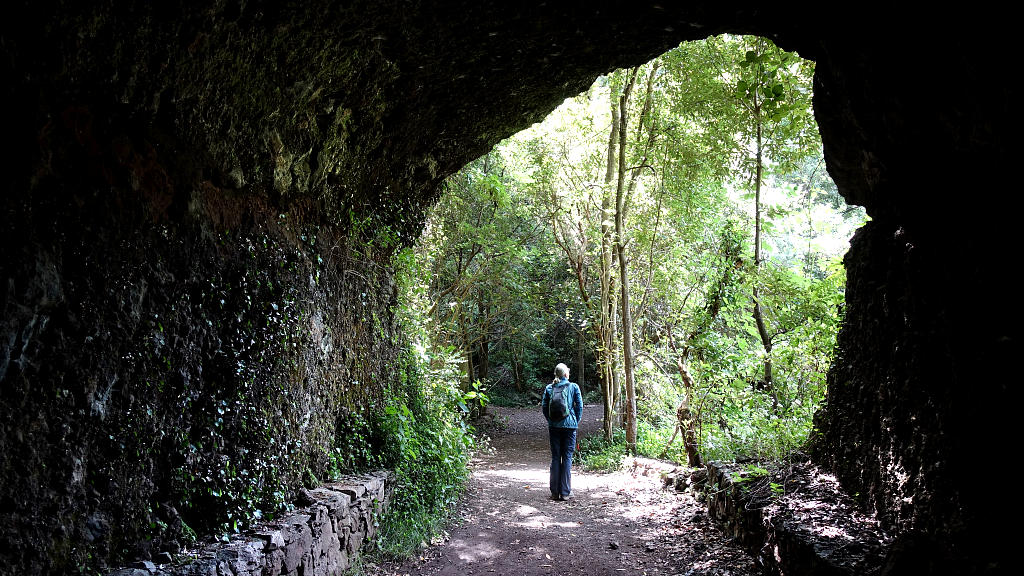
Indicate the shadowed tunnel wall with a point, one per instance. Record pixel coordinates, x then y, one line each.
195 196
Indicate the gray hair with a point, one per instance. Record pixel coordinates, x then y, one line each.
562 371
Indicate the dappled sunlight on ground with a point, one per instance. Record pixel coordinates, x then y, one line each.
475 549
526 510
529 477
618 523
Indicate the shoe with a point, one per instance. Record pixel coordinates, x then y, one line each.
565 497
555 497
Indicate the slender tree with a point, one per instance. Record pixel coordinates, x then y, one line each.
777 116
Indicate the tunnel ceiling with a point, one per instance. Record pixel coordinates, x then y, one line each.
349 102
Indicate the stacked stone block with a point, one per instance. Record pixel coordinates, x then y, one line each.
321 539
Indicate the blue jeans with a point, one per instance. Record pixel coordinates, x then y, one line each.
563 444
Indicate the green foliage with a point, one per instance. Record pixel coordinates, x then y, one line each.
474 400
758 483
652 442
510 258
422 431
599 455
493 291
428 447
508 397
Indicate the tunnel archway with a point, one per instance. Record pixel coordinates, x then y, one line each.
148 143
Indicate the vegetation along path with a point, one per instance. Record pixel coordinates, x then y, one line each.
616 523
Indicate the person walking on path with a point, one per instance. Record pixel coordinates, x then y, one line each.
562 429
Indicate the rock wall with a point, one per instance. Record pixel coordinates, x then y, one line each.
795 520
187 337
918 394
163 375
321 539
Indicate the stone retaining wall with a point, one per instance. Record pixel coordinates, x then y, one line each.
795 519
320 539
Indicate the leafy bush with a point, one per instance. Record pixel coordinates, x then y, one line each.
762 436
422 430
599 455
427 445
651 442
509 397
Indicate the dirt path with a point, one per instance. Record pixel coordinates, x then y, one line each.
618 523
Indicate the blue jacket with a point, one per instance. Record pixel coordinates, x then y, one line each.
575 408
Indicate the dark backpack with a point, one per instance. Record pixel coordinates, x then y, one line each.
558 407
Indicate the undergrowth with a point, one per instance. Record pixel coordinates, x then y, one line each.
761 441
428 440
509 397
429 452
599 455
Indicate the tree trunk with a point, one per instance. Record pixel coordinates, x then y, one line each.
762 329
517 370
684 416
467 355
484 345
613 342
580 358
606 348
629 410
627 353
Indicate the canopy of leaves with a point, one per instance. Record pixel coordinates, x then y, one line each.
510 258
